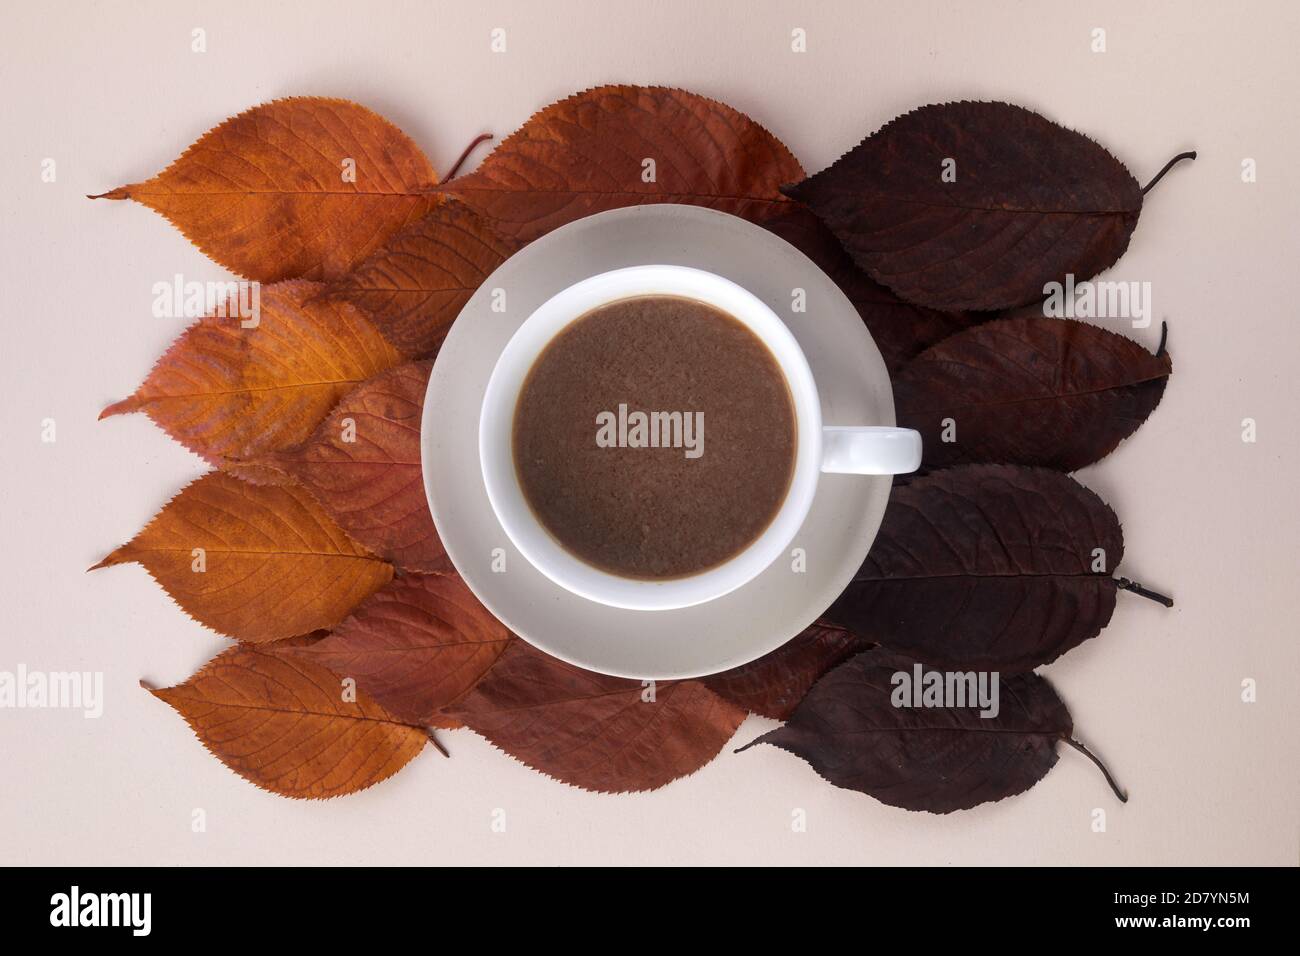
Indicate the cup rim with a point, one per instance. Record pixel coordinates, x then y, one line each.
496 453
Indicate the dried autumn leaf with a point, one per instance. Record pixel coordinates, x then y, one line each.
986 566
936 759
596 732
232 394
283 723
1028 202
590 152
256 562
1030 391
363 466
901 330
415 285
414 646
773 685
298 187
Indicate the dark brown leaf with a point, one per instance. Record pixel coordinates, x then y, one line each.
414 646
901 330
937 759
773 685
1031 391
415 285
596 732
986 566
1031 202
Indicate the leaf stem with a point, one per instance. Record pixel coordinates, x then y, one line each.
1164 338
1124 584
1123 797
437 744
464 156
1168 166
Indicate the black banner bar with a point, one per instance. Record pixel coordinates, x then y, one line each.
299 905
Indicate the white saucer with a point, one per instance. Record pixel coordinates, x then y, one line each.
689 642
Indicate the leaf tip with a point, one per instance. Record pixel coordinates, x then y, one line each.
272 468
121 192
107 562
121 555
792 190
126 405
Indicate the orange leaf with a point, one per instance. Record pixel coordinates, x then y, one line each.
363 466
596 732
283 724
417 283
591 152
415 646
256 562
304 186
231 393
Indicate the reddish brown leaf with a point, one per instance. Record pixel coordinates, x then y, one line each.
853 732
773 685
415 646
363 466
415 285
1031 202
987 566
256 562
268 194
1030 391
283 724
901 330
596 732
588 153
233 394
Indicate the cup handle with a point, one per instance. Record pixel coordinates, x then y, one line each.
870 450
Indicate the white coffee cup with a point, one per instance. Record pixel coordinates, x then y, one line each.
839 449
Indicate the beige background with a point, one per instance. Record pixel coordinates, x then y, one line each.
112 92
